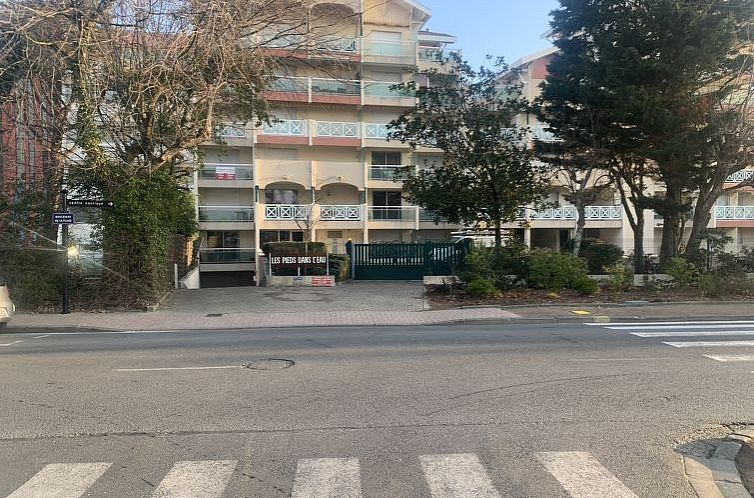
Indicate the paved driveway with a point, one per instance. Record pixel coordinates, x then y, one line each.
351 296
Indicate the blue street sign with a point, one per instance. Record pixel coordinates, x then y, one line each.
63 218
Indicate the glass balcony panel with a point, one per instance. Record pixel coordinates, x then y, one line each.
384 90
392 213
227 255
289 84
226 214
335 87
383 173
223 172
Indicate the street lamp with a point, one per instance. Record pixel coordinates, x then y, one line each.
73 251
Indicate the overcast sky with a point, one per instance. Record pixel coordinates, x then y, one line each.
511 28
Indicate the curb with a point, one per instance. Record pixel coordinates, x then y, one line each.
718 476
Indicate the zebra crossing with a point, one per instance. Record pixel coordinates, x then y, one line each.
461 475
716 338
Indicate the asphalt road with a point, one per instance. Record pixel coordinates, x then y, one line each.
458 411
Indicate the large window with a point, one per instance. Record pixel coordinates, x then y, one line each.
281 236
380 158
223 240
280 196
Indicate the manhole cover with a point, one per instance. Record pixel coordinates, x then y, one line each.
214 315
268 364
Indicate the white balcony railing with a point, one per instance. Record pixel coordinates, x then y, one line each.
230 130
392 213
375 131
340 213
740 176
604 213
337 44
337 129
229 214
384 173
734 212
430 54
559 213
282 212
226 171
290 127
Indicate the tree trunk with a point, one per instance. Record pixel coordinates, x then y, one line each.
702 215
498 235
580 224
669 247
639 242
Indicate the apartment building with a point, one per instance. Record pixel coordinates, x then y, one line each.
323 170
606 220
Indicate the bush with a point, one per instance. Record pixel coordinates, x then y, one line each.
598 255
682 271
340 267
495 265
621 276
481 287
585 286
552 270
710 285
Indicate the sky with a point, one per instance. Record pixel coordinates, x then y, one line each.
508 28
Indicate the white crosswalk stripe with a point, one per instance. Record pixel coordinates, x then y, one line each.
457 476
206 478
730 357
694 333
711 344
460 475
644 324
61 480
582 475
327 478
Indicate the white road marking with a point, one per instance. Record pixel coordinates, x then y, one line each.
622 359
119 332
582 475
457 476
327 478
681 327
694 333
710 322
730 357
711 344
61 480
42 336
163 369
193 479
11 343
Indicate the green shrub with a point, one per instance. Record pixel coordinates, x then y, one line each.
621 277
497 266
481 287
585 286
714 284
597 254
552 270
682 271
711 285
340 267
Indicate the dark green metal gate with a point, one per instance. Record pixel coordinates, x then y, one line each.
406 261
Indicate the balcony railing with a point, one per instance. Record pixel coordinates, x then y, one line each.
227 255
384 173
427 216
385 90
282 212
340 213
229 214
375 131
337 129
734 212
430 54
290 127
392 213
388 49
228 130
336 87
289 84
346 45
223 172
604 212
560 213
740 176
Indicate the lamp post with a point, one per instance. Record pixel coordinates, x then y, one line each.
66 293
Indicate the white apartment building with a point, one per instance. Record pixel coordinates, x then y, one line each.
323 169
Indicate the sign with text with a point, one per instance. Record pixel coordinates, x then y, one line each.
95 203
309 260
63 218
225 173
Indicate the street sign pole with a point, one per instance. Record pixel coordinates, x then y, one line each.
66 294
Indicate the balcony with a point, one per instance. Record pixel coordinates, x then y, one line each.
388 52
559 213
379 93
227 256
609 213
430 54
286 212
734 212
226 218
384 173
340 213
226 175
335 133
393 213
299 46
287 132
323 90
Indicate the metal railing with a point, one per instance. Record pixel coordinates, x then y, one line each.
734 212
286 212
604 212
346 45
337 129
559 213
292 127
227 255
340 213
375 131
226 130
740 176
229 214
385 90
384 172
388 49
226 171
392 213
430 54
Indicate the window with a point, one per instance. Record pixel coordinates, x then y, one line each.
280 236
380 158
280 196
386 198
223 240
